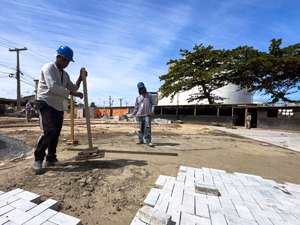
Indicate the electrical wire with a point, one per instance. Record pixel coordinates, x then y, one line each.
3 65
26 82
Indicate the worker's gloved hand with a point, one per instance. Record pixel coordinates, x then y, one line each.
76 94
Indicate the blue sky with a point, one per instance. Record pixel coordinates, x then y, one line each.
123 42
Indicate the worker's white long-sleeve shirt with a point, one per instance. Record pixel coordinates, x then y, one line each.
143 105
54 86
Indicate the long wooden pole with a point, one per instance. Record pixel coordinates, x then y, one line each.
72 117
86 107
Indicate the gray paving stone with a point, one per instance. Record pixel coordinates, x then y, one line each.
181 177
206 171
218 219
9 200
188 203
244 212
188 219
48 223
137 221
3 220
293 187
18 216
190 172
11 223
29 196
177 194
155 216
23 205
47 214
161 180
64 219
175 214
202 209
152 197
10 193
245 199
182 169
5 209
205 188
234 220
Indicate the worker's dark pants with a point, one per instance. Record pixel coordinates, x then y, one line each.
145 129
51 121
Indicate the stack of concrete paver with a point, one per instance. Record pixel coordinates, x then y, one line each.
23 207
210 197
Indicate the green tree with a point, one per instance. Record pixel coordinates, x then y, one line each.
202 68
275 73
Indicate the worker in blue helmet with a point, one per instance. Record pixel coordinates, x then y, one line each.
143 110
54 87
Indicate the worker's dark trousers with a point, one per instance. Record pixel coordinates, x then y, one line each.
51 121
145 129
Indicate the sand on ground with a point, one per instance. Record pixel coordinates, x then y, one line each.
110 190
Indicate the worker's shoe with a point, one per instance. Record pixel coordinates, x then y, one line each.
150 144
37 166
55 162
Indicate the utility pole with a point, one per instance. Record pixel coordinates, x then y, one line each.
17 50
120 99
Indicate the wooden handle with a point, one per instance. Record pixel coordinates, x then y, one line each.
86 107
72 116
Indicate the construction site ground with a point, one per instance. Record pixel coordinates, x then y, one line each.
110 190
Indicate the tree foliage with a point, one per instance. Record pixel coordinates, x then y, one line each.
274 73
201 69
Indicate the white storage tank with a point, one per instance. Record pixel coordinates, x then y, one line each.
230 92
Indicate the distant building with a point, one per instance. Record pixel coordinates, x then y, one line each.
230 93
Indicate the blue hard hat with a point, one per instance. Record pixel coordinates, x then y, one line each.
140 85
66 52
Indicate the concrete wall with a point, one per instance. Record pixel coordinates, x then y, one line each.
200 119
268 117
279 122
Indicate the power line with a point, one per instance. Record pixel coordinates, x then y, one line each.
27 74
7 66
26 82
14 43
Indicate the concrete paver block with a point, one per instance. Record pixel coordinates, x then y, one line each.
245 199
10 193
153 216
218 219
208 189
64 219
188 219
5 209
23 204
29 196
11 223
152 197
18 216
51 204
48 223
161 180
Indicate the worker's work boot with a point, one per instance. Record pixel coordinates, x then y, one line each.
55 162
37 166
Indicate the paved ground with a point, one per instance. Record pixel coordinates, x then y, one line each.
289 140
241 199
23 207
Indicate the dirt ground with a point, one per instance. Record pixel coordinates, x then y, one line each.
110 190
